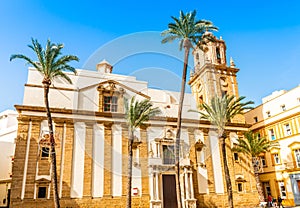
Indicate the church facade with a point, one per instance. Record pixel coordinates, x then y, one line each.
91 142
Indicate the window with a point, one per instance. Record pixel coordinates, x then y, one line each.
168 154
45 152
297 157
240 187
258 135
42 192
197 58
298 99
110 104
282 189
272 134
201 99
218 55
283 108
263 161
255 119
111 96
236 157
276 159
268 113
287 129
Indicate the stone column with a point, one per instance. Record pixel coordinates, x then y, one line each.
107 192
59 136
116 160
98 160
186 182
32 159
143 150
151 178
156 186
191 185
78 160
68 157
216 163
20 163
124 159
87 182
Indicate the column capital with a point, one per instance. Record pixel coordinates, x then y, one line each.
145 126
108 124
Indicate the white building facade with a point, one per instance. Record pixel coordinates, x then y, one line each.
8 133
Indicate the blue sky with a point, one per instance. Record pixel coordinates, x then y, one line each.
263 37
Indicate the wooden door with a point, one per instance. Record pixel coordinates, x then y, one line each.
169 191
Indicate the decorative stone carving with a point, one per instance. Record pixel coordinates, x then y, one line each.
136 142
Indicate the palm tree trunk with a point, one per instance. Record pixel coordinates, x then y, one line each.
129 181
227 174
258 183
179 118
52 142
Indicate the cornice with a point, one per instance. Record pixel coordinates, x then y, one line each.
223 68
51 87
157 121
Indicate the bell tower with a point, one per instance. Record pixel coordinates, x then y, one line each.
211 75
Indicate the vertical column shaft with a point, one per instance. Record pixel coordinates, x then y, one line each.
107 159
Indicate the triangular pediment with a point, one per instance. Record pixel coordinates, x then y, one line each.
43 180
274 150
112 85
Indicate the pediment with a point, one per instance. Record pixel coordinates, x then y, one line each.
112 85
274 150
115 85
240 178
294 145
43 180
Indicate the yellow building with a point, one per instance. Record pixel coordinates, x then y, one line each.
278 119
91 136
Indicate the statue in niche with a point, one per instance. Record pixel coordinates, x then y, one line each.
169 135
224 85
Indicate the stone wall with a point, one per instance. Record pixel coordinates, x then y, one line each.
26 196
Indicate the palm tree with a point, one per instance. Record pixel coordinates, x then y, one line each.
50 64
219 112
252 145
137 113
188 31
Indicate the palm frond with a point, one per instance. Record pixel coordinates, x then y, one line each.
139 112
169 38
186 26
50 62
221 110
29 61
253 145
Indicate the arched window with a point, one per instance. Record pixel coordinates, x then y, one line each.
218 54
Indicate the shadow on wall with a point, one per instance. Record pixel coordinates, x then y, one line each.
207 204
35 155
202 201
